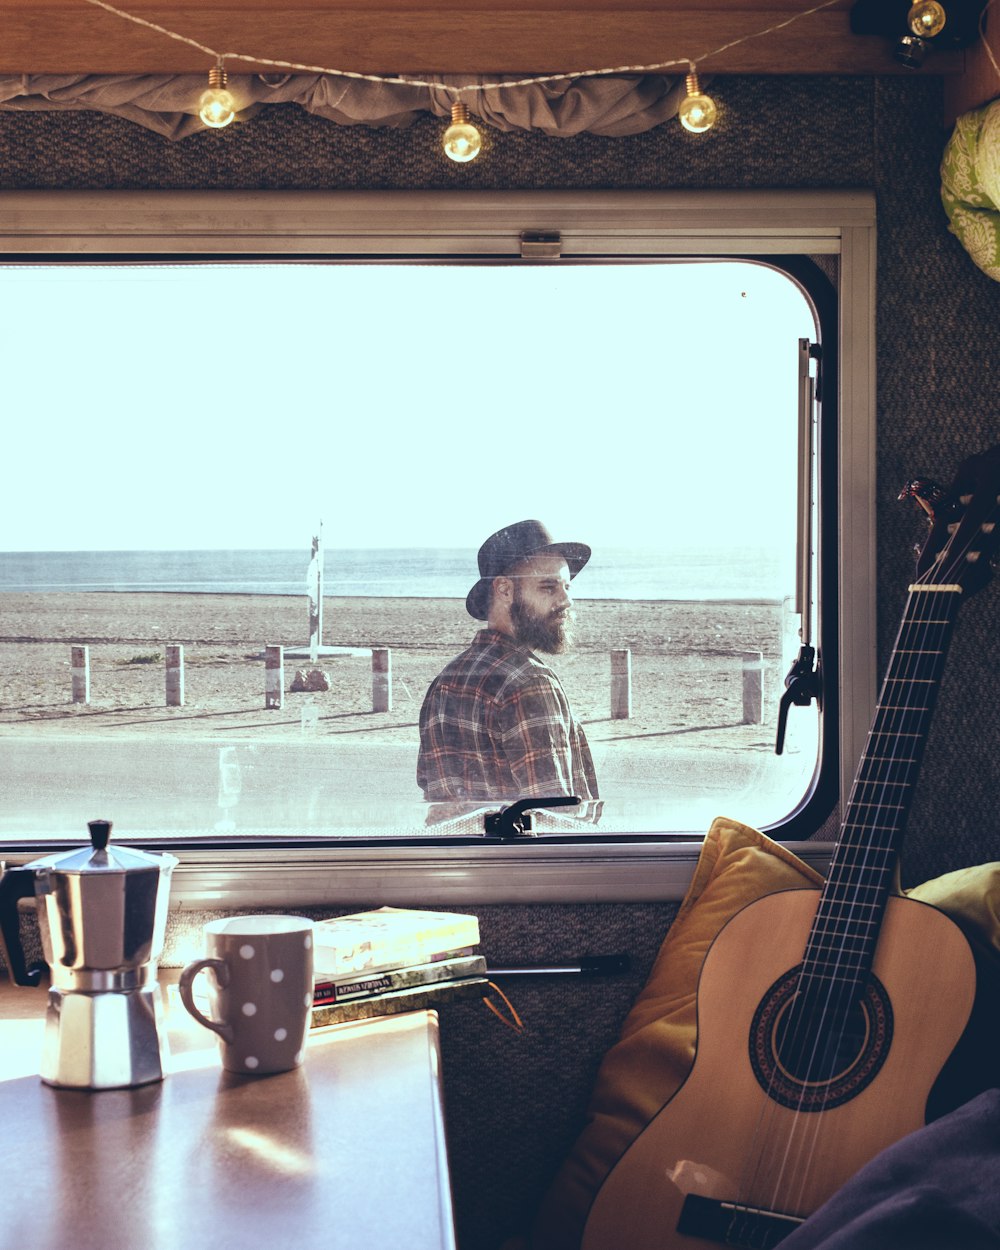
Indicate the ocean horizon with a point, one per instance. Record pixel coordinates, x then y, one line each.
434 573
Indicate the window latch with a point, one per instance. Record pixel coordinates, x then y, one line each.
802 685
541 245
515 821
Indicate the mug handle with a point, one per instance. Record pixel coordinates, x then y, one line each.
221 970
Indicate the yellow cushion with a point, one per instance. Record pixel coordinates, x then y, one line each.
971 897
646 1066
642 1071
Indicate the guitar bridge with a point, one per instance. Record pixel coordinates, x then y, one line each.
731 1224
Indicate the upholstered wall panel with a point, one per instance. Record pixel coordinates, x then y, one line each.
515 1103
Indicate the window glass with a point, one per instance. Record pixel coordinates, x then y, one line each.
190 446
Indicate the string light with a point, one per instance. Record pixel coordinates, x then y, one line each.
216 107
697 111
461 141
696 106
926 18
402 80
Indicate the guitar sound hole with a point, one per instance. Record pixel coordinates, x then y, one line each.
815 1043
810 1055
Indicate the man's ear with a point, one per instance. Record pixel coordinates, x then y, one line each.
503 590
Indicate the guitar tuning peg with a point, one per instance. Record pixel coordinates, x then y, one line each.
926 491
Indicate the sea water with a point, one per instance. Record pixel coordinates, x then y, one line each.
737 572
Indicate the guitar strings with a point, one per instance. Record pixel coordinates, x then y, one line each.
848 906
792 1150
922 625
925 630
913 674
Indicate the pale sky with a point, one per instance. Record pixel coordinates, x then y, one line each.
235 407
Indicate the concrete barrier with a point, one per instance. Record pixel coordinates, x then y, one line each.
381 679
80 671
753 688
175 675
621 685
274 677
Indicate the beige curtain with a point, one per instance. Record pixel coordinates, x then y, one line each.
168 103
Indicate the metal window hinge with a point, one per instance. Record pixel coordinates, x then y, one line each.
541 245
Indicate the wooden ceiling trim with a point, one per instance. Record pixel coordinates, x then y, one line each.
412 37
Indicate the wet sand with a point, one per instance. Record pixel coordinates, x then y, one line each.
686 660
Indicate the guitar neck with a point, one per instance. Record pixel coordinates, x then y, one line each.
844 935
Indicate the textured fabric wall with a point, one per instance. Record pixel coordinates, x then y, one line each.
938 401
514 1104
785 132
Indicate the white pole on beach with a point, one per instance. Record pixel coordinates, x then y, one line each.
274 677
621 685
314 589
381 679
753 682
80 670
175 675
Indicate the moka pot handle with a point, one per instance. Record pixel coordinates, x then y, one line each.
15 884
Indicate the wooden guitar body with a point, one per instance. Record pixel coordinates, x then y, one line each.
824 1016
741 1130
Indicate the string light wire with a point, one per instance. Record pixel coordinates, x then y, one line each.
606 71
982 36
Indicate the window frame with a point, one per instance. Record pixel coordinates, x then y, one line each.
614 225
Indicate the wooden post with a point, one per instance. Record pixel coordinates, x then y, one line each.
274 677
381 679
175 675
753 682
80 669
621 685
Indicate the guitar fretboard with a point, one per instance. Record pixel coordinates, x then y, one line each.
845 932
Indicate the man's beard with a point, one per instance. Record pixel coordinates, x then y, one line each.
551 634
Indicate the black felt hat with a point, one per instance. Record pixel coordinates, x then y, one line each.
505 549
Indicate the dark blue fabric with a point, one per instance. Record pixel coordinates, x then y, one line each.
937 1189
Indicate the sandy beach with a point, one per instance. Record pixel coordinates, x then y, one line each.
686 663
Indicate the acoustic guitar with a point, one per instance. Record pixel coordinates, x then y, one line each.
824 1016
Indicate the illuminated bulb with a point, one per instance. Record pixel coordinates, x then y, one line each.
926 18
216 107
461 140
697 112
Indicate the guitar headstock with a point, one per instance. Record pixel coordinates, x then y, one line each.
965 524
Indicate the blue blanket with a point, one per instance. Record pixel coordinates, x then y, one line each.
937 1189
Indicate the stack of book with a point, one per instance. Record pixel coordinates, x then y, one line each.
394 959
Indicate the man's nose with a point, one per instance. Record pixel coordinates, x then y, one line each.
565 598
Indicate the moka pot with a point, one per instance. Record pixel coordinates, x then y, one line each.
102 915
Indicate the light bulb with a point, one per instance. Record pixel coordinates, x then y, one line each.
697 112
216 108
461 140
926 18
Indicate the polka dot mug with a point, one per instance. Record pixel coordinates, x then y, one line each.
260 990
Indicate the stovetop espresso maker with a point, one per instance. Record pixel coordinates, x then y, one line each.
102 913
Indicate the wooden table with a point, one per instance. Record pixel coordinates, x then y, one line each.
345 1153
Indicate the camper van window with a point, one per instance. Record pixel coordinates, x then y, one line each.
307 551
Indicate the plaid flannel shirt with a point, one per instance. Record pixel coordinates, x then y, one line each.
496 724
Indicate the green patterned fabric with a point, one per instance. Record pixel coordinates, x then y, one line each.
970 185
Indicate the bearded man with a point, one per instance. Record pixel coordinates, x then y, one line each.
496 723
